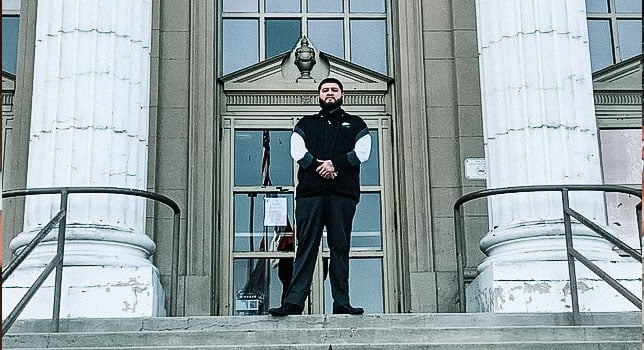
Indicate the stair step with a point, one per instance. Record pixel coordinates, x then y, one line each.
609 331
394 335
633 345
325 321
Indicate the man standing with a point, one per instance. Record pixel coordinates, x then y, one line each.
329 148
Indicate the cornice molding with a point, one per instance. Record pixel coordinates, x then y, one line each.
618 98
295 99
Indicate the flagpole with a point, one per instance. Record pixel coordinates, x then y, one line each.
251 223
266 181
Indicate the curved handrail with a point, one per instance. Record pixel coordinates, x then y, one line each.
459 224
57 261
108 190
544 188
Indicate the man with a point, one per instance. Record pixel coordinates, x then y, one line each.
329 148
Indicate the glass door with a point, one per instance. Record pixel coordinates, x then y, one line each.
258 222
263 242
366 288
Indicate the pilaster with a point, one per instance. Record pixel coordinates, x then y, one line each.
412 156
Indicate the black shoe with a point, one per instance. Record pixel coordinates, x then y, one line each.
286 309
347 309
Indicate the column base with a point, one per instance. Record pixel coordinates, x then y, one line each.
543 286
89 292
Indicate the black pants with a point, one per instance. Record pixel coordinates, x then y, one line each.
312 215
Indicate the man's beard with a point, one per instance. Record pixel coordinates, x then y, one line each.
328 106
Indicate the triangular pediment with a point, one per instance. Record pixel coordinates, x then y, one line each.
281 73
618 94
623 76
8 81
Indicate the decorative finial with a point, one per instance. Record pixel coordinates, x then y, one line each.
304 59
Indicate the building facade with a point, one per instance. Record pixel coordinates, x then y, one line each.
182 98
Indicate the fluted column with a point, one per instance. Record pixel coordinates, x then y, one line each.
89 127
539 129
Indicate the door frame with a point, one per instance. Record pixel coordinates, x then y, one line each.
257 120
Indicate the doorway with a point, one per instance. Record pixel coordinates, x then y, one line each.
257 215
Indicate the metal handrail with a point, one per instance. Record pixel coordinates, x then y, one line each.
459 223
57 260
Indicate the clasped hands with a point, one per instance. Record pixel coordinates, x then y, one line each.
326 170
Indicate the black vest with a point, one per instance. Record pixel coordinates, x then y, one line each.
331 136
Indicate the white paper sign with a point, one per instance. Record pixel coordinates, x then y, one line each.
274 211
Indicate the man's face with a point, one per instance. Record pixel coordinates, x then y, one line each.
330 93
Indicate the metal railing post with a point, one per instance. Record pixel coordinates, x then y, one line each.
459 226
174 283
60 255
638 213
571 260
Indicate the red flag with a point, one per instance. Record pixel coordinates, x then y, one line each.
286 238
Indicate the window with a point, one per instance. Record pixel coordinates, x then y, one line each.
255 30
614 31
620 151
10 43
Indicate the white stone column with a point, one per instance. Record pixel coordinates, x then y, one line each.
89 127
539 129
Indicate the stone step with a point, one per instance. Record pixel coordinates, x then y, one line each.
392 335
544 345
388 331
325 321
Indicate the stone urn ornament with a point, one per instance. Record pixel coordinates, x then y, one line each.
305 59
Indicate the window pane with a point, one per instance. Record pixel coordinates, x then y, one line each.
238 56
366 223
249 153
601 47
9 43
621 165
324 6
628 6
282 5
365 286
366 232
241 6
368 47
367 6
281 35
327 36
597 6
622 217
11 5
250 207
629 33
257 285
620 150
370 170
